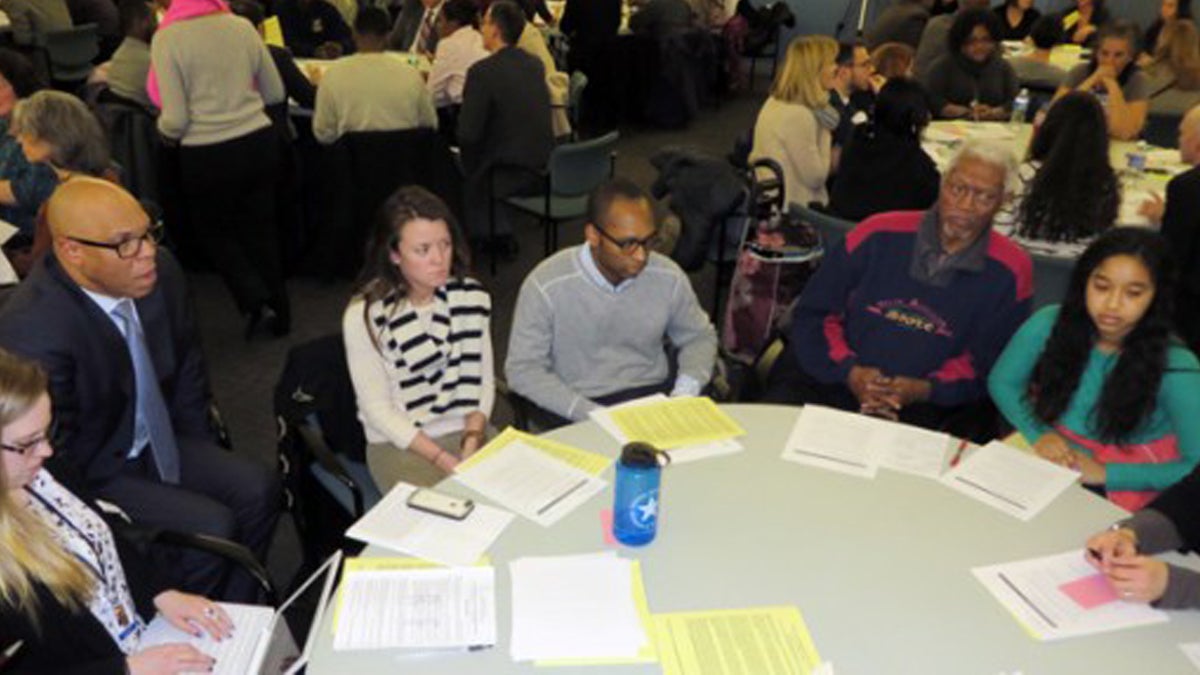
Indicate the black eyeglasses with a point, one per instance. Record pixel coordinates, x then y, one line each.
126 248
50 435
631 245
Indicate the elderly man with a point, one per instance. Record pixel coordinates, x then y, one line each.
906 316
371 90
107 315
591 321
1180 218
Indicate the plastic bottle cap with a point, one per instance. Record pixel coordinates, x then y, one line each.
642 455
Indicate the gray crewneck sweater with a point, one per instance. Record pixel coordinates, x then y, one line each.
215 75
574 339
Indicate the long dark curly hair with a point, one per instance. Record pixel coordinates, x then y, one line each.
1075 193
1130 391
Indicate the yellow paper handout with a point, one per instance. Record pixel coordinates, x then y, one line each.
676 422
588 462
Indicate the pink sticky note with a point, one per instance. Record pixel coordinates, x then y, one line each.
606 527
1089 592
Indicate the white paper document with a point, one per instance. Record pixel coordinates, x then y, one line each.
1018 483
858 444
533 484
419 608
680 455
1192 651
392 524
1033 591
574 607
833 439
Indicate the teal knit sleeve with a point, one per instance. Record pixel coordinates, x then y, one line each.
1179 399
1009 379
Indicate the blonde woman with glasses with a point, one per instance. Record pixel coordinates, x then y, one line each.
795 126
69 591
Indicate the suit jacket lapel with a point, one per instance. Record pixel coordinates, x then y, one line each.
114 342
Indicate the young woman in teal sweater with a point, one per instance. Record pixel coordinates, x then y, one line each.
1099 384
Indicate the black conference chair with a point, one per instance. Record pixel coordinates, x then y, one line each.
1051 275
362 169
133 140
321 447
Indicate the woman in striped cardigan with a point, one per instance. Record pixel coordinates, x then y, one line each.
418 344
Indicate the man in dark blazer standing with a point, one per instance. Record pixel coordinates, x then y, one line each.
505 119
1180 218
107 315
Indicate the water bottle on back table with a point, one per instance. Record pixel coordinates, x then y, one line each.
1020 109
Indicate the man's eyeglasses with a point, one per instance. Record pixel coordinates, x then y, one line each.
126 248
50 435
631 245
983 198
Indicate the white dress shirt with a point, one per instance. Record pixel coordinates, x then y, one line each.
455 54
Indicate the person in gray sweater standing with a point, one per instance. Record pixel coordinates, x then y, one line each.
591 321
214 76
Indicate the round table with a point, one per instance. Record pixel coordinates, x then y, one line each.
879 568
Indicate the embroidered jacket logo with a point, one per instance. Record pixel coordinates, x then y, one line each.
913 315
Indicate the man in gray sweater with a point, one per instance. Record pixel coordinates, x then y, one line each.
591 321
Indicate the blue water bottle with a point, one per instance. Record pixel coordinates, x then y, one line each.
635 506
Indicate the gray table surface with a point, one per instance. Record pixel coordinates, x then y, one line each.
879 568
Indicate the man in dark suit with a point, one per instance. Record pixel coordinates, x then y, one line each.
416 29
1180 218
505 119
107 314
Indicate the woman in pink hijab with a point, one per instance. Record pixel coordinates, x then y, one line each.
212 76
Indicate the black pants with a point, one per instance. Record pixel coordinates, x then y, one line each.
221 494
229 194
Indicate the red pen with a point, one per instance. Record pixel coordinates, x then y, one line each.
962 445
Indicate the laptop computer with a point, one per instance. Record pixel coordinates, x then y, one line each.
262 641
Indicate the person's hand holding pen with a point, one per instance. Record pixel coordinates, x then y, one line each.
1111 544
1138 578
